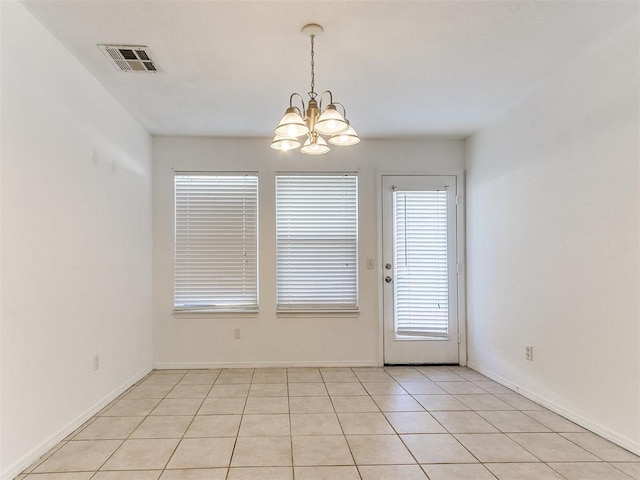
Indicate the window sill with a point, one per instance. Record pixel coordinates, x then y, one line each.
318 313
203 313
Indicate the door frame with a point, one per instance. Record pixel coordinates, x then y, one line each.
460 254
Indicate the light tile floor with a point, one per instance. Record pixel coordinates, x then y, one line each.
398 423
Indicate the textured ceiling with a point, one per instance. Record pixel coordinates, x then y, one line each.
400 68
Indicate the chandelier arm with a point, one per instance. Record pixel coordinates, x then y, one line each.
344 110
295 94
330 98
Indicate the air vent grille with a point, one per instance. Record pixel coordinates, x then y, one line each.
130 58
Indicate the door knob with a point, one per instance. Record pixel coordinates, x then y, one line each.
388 279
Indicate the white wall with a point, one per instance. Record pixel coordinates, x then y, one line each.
553 242
76 242
268 339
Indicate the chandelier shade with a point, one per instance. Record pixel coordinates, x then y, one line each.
312 120
284 143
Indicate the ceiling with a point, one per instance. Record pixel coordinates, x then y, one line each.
401 68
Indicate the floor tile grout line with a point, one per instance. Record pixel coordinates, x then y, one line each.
235 442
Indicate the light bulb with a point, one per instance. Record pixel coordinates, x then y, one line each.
331 124
291 131
286 145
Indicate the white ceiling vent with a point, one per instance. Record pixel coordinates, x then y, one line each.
131 58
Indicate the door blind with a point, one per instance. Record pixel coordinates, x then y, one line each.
421 277
317 242
216 240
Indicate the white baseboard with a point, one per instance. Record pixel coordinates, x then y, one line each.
614 437
34 454
293 364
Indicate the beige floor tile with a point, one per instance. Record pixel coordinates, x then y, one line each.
262 452
354 403
79 456
483 402
202 453
260 473
310 405
466 388
437 448
327 473
392 472
588 471
512 422
143 391
177 406
630 468
195 474
414 422
321 450
345 389
199 379
189 391
397 403
109 428
494 387
257 405
384 388
339 377
601 448
519 402
422 388
458 472
307 390
551 447
128 475
407 376
163 427
464 422
128 407
268 390
494 447
271 370
238 390
373 376
57 476
312 376
162 379
553 421
262 377
472 376
436 376
222 406
440 402
141 454
364 424
523 471
270 425
214 426
379 450
235 371
233 378
315 424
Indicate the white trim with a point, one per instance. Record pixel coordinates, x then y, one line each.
289 364
610 435
37 452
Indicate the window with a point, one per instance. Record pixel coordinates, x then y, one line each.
317 242
216 239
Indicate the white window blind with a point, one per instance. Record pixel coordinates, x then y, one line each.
317 242
421 279
216 237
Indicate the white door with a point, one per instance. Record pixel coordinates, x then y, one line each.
419 269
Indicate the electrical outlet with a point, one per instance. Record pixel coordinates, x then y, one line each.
237 334
96 362
528 353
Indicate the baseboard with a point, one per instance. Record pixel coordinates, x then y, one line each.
30 457
326 364
620 440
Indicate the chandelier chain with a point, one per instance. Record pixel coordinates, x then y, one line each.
312 93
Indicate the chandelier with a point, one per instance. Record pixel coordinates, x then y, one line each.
316 122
